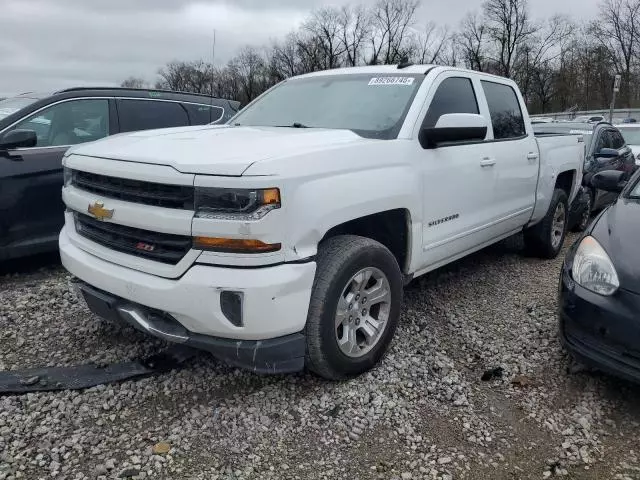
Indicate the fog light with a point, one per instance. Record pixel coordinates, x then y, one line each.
231 305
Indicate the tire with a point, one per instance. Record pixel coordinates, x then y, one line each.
544 240
582 225
340 263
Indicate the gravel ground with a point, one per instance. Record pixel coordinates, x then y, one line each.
423 413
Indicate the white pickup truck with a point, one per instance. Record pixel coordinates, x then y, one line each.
284 239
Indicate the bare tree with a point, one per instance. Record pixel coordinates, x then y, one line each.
508 27
325 27
428 44
472 42
618 30
186 76
133 82
249 70
355 27
389 40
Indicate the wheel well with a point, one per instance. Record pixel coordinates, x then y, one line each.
565 181
390 228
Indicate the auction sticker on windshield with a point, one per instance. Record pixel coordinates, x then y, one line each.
406 81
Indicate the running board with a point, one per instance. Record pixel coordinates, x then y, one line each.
78 377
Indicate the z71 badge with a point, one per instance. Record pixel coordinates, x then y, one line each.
443 220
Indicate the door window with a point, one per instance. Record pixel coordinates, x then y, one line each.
147 114
504 107
203 114
604 141
617 141
69 123
454 95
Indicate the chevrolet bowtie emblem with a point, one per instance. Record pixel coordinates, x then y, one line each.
97 210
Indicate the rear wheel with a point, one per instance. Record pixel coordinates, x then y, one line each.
545 239
354 308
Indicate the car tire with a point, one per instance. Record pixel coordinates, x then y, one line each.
583 223
545 239
347 334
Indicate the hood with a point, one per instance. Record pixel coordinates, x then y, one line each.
215 150
618 230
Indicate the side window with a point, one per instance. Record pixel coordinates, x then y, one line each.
506 116
203 114
617 141
454 95
147 114
69 123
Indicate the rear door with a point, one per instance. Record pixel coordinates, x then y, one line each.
516 155
31 208
146 114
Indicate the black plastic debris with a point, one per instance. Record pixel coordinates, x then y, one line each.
492 374
76 377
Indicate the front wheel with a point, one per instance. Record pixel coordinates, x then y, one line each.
585 218
545 239
354 307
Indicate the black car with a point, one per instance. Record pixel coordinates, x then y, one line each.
599 295
36 130
605 149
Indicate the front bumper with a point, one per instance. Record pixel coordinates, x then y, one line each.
601 331
275 299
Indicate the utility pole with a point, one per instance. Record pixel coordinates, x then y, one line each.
213 69
616 89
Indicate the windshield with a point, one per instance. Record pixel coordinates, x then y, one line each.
631 135
12 105
373 106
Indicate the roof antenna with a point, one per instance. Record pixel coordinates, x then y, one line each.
404 62
213 59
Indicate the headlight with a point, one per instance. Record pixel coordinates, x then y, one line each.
68 175
235 204
592 268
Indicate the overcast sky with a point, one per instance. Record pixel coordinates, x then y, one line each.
52 44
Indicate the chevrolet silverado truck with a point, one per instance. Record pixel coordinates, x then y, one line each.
283 239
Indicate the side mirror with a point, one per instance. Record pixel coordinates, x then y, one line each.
454 128
607 153
18 139
609 180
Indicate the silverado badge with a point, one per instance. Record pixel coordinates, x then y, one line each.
97 210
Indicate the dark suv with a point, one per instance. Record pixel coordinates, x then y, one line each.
36 130
605 149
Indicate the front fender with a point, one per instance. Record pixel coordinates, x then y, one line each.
319 204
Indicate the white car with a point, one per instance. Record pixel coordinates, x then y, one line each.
631 134
283 239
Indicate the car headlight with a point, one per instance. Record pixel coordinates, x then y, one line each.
68 176
235 204
592 268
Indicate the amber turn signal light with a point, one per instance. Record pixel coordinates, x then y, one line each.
234 245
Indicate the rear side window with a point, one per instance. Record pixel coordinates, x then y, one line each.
454 95
506 116
203 114
147 114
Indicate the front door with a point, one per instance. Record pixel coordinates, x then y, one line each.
457 180
31 208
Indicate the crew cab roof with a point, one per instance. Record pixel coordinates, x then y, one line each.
395 69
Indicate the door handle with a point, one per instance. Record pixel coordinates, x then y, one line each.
532 156
487 162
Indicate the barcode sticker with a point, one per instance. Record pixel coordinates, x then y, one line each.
405 81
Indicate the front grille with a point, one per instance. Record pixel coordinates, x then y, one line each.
135 191
161 247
